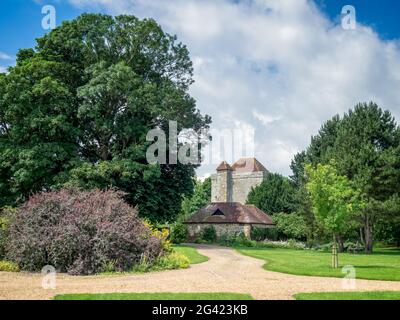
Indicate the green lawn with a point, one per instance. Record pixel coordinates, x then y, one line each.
190 252
155 296
384 264
373 295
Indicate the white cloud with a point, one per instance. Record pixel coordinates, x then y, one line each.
46 2
265 119
4 56
281 67
10 60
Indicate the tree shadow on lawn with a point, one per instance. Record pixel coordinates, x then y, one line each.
385 252
373 267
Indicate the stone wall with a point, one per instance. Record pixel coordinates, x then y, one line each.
242 184
234 186
221 187
231 229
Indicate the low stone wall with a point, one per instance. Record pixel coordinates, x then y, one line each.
231 229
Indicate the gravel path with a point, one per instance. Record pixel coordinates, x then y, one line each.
226 271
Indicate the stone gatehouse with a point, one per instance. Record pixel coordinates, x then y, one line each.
233 183
227 212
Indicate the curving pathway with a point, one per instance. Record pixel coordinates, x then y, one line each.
226 271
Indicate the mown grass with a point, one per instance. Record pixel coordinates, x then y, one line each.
372 295
383 264
191 253
155 296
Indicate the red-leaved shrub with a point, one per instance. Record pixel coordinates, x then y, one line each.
80 232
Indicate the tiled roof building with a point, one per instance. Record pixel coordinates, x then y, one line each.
227 212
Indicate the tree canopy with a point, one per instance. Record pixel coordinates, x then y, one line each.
365 144
275 194
334 200
292 226
76 109
200 197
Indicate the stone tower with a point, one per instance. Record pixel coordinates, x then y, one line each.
223 179
233 183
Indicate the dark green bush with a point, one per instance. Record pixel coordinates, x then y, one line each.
209 234
236 240
241 240
179 233
261 234
290 226
227 240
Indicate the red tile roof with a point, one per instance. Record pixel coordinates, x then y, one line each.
233 212
248 165
224 166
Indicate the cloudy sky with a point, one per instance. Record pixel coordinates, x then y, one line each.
278 67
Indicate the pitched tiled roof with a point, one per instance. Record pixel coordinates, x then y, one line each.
233 212
248 165
224 166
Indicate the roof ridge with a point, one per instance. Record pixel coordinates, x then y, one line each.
248 165
224 166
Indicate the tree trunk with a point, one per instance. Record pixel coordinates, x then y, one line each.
335 257
341 244
362 236
368 235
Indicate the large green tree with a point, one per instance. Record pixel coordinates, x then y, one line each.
334 200
76 109
200 197
365 143
303 202
368 144
387 227
276 194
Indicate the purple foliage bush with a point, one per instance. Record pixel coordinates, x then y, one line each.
80 232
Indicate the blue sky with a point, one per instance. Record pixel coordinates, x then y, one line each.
279 68
382 15
20 23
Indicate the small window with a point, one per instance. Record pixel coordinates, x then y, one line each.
218 213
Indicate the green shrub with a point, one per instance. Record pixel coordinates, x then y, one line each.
3 235
209 234
173 260
6 215
326 247
236 240
241 240
260 234
8 266
109 266
227 240
349 246
200 241
290 226
170 261
179 233
144 265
